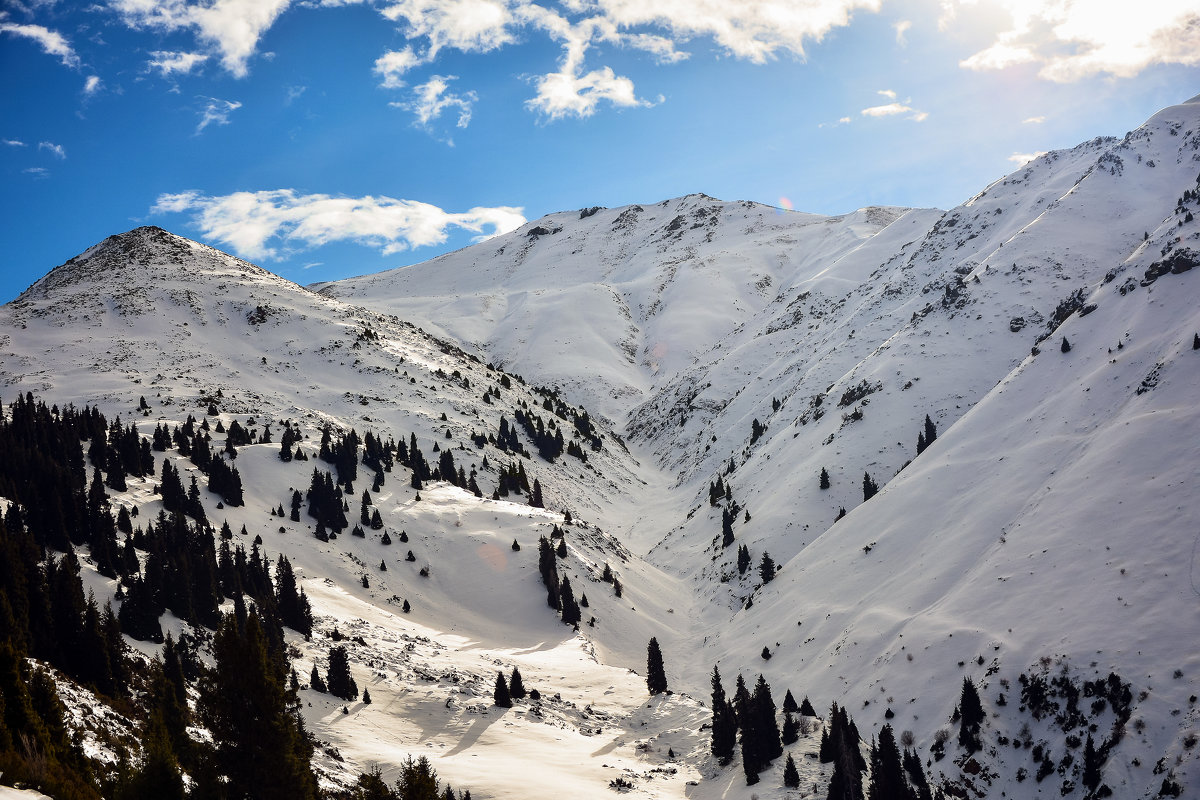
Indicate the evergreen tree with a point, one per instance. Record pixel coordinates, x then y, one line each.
500 695
570 609
1066 346
259 744
516 687
340 682
789 703
791 778
1092 763
727 517
316 682
887 773
806 708
656 675
766 568
766 726
724 724
870 488
791 729
972 717
824 483
743 559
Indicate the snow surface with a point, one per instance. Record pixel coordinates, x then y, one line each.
1053 525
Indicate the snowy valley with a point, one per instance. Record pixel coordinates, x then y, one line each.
865 456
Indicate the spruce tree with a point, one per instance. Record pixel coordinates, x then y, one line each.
806 708
500 695
789 702
656 675
791 778
570 609
791 729
766 568
724 724
768 728
972 717
887 773
516 687
824 481
870 488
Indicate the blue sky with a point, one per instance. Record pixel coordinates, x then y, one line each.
328 138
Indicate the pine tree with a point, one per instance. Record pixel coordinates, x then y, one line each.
743 559
789 702
887 773
366 698
316 682
724 724
824 483
806 708
791 729
656 675
766 568
1092 763
791 778
259 744
570 609
516 687
870 488
767 727
500 695
1066 346
972 717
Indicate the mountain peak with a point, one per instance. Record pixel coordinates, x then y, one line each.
138 257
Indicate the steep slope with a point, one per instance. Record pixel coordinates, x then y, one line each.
608 304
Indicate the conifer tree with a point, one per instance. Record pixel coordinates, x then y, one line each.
656 675
806 708
768 728
724 724
500 695
259 744
316 682
972 717
743 559
766 568
824 482
870 488
887 772
791 729
516 687
570 608
340 682
791 778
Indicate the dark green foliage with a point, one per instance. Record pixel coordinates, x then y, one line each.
570 609
516 687
791 729
656 675
724 724
340 682
325 502
727 518
767 727
500 694
791 777
766 568
972 717
824 481
789 703
870 488
1065 346
757 429
806 708
260 748
548 567
1093 761
743 559
887 772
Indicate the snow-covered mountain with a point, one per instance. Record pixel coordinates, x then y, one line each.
728 353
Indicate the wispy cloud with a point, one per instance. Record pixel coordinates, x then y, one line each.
433 98
894 108
37 172
55 150
1021 159
293 94
91 85
888 93
215 111
13 142
1069 40
902 28
52 42
172 62
259 225
391 66
1033 120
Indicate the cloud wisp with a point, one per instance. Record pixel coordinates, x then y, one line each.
215 111
56 150
894 108
52 43
271 224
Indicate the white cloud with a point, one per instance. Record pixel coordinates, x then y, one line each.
888 93
1033 120
474 26
92 84
294 93
432 99
52 42
257 224
1074 39
215 111
392 65
894 108
55 150
902 28
169 62
231 27
756 30
37 172
14 142
1021 159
